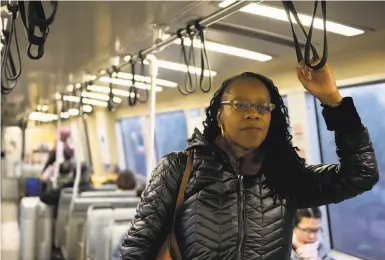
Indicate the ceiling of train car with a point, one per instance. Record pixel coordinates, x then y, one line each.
86 34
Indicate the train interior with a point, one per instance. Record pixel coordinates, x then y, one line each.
129 81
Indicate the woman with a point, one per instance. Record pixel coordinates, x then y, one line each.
247 180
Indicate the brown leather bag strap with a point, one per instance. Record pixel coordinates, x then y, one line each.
183 184
174 248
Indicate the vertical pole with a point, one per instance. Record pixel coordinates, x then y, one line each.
151 147
59 145
78 149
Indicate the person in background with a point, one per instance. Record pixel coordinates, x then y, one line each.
52 197
49 174
126 181
63 145
306 236
247 179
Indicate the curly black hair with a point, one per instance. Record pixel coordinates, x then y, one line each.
281 156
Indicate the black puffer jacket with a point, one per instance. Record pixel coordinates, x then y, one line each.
226 216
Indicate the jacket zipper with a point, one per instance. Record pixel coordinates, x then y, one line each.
241 214
241 217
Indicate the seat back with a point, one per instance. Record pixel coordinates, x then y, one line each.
62 216
64 207
106 187
106 194
74 230
98 219
113 236
44 232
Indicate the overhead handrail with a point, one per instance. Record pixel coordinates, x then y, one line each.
204 22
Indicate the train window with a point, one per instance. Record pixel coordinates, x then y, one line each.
194 112
170 132
133 144
195 120
366 212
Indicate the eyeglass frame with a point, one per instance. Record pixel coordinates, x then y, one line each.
308 231
231 103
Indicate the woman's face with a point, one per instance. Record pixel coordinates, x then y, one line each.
245 113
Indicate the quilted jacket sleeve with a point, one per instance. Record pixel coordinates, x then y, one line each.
154 215
357 171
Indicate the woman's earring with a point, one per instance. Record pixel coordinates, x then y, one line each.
222 132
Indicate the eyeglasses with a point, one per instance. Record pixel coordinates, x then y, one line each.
244 106
310 231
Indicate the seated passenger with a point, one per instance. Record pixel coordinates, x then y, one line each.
126 181
306 240
52 197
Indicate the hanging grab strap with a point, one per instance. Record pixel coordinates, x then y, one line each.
188 78
9 72
143 73
110 102
204 58
36 18
308 61
132 99
191 56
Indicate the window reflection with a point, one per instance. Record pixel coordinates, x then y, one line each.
170 133
133 143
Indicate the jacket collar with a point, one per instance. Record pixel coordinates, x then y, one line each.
249 164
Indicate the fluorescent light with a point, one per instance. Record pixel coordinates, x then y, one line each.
100 96
64 115
71 98
160 82
177 67
40 116
73 111
183 68
225 49
106 90
94 102
87 108
43 108
127 83
87 101
280 14
76 112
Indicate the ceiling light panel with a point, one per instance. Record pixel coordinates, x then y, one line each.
178 67
225 49
280 14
